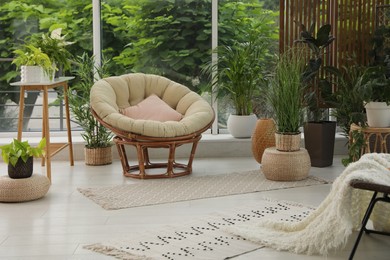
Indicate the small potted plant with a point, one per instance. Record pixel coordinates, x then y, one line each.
19 157
376 95
34 64
54 45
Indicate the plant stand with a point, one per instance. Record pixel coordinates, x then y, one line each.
51 148
285 166
377 139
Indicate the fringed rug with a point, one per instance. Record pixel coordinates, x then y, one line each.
158 191
204 238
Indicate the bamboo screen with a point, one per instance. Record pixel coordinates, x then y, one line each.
352 21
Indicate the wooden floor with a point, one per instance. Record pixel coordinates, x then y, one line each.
57 226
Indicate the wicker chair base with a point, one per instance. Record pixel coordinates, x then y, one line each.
172 168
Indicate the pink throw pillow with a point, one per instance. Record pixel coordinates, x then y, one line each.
152 108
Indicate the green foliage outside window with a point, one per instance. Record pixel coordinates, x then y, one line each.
167 37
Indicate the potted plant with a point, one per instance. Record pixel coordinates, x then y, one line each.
376 95
319 132
284 95
34 64
286 161
98 138
238 75
54 45
348 107
19 157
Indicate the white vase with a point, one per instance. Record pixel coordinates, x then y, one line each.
241 126
378 114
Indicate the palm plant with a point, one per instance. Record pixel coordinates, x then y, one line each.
239 72
94 134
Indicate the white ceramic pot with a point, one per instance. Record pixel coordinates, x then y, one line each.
31 74
378 114
34 74
241 126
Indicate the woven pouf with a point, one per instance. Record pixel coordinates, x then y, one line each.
19 190
285 166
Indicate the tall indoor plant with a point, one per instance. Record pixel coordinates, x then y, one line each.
97 137
319 132
287 160
284 95
238 75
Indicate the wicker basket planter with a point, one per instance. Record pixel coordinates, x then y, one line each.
288 142
98 156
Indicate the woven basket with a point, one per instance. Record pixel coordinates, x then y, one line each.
288 142
263 137
98 156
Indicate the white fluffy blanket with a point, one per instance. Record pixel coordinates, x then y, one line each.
330 225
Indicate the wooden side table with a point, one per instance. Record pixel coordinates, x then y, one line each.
375 138
51 148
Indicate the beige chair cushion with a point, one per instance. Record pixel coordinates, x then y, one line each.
111 94
19 190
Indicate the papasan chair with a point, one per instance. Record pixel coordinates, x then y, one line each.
150 111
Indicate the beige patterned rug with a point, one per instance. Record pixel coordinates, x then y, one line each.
204 238
158 191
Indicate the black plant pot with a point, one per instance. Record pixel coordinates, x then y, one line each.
21 169
319 142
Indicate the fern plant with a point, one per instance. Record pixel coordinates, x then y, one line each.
29 55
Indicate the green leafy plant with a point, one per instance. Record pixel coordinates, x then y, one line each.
17 149
239 72
29 55
347 100
317 86
376 87
285 91
95 134
355 147
54 45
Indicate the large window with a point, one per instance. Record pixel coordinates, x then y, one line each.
170 38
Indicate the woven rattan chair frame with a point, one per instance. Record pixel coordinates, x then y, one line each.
143 143
377 189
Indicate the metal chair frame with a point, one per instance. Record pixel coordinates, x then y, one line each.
377 189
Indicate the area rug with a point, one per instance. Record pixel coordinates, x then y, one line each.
158 191
204 238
